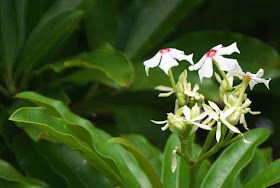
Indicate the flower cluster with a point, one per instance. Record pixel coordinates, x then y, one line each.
192 111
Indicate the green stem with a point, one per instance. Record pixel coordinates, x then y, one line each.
245 83
184 150
232 140
171 78
193 173
222 72
208 141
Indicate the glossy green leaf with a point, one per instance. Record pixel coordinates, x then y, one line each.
180 177
11 184
270 175
118 158
104 60
233 159
7 172
61 132
267 152
102 22
33 164
155 21
151 153
256 165
53 29
77 171
143 162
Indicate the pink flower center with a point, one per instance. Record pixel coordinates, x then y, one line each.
162 51
211 53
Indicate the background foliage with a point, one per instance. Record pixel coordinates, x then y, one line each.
89 53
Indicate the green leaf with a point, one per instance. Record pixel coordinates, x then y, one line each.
270 175
104 60
143 162
151 153
180 177
77 171
149 31
61 132
12 27
117 157
7 172
257 164
267 152
233 159
102 22
33 164
53 29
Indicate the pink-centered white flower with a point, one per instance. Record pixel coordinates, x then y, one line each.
167 58
254 78
205 64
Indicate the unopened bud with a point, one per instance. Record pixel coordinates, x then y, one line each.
195 111
176 125
183 77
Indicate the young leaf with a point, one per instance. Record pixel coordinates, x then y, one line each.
270 175
233 160
7 172
143 162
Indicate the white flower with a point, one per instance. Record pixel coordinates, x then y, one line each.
193 92
166 58
254 78
205 64
219 116
168 91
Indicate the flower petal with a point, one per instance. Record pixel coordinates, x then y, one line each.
210 112
174 161
252 84
262 80
151 63
163 88
228 112
218 47
198 64
225 64
165 94
254 112
195 88
167 62
228 50
243 121
200 117
179 55
260 73
219 131
159 122
165 127
206 127
207 120
236 71
244 140
214 106
187 113
206 70
230 126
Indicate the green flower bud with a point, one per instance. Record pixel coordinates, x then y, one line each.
177 126
235 116
183 77
195 111
180 94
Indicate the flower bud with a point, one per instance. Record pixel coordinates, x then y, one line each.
176 125
183 77
235 116
180 94
195 111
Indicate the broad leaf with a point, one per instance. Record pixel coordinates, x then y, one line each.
104 60
153 154
156 20
7 172
77 171
270 175
233 159
119 160
143 162
53 29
